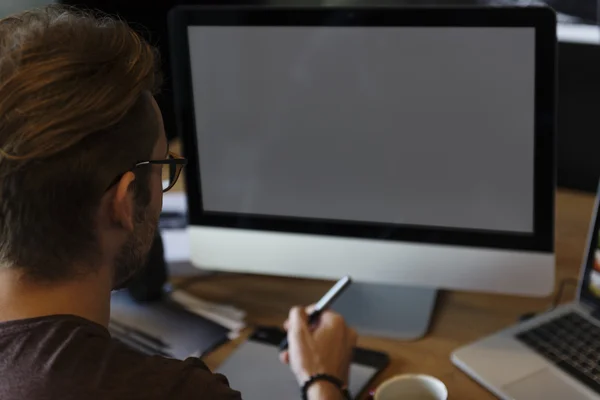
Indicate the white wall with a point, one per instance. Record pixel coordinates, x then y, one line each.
12 6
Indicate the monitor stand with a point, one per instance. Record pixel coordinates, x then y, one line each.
389 311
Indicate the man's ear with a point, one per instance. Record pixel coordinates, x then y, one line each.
122 209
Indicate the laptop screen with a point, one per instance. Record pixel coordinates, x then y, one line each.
590 284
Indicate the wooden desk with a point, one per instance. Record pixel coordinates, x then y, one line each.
460 317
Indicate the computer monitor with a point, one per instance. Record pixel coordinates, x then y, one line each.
401 146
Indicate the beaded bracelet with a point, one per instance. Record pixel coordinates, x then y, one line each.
325 377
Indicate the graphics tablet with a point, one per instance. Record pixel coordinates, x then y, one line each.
255 370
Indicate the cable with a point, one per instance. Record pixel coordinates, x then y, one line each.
561 288
556 300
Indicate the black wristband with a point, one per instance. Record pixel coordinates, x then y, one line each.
325 377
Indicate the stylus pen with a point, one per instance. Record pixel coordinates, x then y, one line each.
323 304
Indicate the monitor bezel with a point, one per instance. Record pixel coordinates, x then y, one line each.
542 19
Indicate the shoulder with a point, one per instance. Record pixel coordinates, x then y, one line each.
74 358
197 378
189 379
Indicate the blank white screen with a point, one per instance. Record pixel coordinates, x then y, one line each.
422 126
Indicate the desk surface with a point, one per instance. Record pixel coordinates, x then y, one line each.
460 317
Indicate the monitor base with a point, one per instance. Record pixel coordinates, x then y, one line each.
390 311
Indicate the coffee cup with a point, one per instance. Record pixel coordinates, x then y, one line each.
411 387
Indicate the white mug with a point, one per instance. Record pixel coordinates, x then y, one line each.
411 387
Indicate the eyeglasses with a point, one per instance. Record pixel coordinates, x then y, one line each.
175 164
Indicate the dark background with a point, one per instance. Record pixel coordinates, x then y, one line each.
578 148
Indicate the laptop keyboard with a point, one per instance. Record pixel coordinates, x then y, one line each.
570 342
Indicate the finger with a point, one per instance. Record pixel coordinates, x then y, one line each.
284 357
297 324
353 337
298 334
331 319
297 314
286 324
331 327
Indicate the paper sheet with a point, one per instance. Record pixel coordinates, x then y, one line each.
175 202
176 242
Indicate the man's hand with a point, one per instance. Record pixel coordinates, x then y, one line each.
323 349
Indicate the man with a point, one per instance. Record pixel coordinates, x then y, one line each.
79 206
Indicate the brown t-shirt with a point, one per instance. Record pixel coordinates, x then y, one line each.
66 357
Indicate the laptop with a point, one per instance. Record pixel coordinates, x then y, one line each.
555 355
